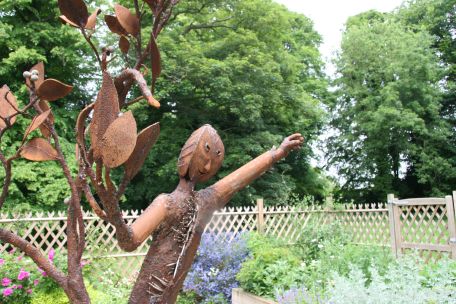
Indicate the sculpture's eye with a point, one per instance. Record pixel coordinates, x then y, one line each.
207 147
219 152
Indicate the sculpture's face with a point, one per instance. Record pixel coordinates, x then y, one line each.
202 155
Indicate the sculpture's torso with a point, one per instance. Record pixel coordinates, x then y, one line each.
175 243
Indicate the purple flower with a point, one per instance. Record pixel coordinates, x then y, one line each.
19 286
29 291
19 258
2 261
213 274
43 273
23 274
7 292
84 262
51 254
35 282
6 281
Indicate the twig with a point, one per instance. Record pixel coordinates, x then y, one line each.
92 46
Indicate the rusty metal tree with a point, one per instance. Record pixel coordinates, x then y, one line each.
107 138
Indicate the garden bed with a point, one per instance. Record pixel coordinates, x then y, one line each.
240 296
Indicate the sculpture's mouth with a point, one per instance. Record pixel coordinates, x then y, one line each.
202 172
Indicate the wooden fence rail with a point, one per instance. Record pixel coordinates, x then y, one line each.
369 224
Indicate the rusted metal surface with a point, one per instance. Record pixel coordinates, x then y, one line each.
178 236
8 106
119 140
114 26
145 141
127 20
52 90
75 11
105 112
39 149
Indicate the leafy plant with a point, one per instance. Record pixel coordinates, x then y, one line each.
20 277
272 264
409 280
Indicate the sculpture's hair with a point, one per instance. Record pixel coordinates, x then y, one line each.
191 145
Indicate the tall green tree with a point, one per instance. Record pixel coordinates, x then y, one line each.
251 69
388 129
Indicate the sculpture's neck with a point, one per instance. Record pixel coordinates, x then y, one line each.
185 186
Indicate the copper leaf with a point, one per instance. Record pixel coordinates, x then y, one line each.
75 11
145 141
65 20
124 44
153 102
92 20
40 68
119 140
38 149
155 59
52 89
7 105
44 106
129 21
105 112
114 25
36 122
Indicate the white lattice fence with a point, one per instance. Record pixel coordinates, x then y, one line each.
47 230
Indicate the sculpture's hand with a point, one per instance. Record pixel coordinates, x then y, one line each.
292 142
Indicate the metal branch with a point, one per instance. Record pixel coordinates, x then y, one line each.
93 203
36 255
89 41
7 180
128 76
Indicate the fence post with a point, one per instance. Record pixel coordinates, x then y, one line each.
260 216
450 206
392 223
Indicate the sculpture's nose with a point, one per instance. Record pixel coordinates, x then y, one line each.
207 166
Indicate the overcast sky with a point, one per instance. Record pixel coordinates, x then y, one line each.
329 16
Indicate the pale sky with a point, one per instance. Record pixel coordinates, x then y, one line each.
329 16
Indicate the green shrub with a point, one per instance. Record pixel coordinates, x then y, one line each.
272 264
409 280
57 296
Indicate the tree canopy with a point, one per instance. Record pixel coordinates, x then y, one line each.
251 68
390 133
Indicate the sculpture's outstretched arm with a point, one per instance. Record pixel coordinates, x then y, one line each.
229 185
150 219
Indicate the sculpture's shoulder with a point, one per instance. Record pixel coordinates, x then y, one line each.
207 196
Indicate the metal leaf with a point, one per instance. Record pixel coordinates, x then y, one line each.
127 20
36 122
119 140
155 59
75 11
65 20
124 44
52 89
38 149
92 20
8 104
114 25
40 68
44 106
105 112
145 141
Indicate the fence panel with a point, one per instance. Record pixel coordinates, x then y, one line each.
423 224
369 224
